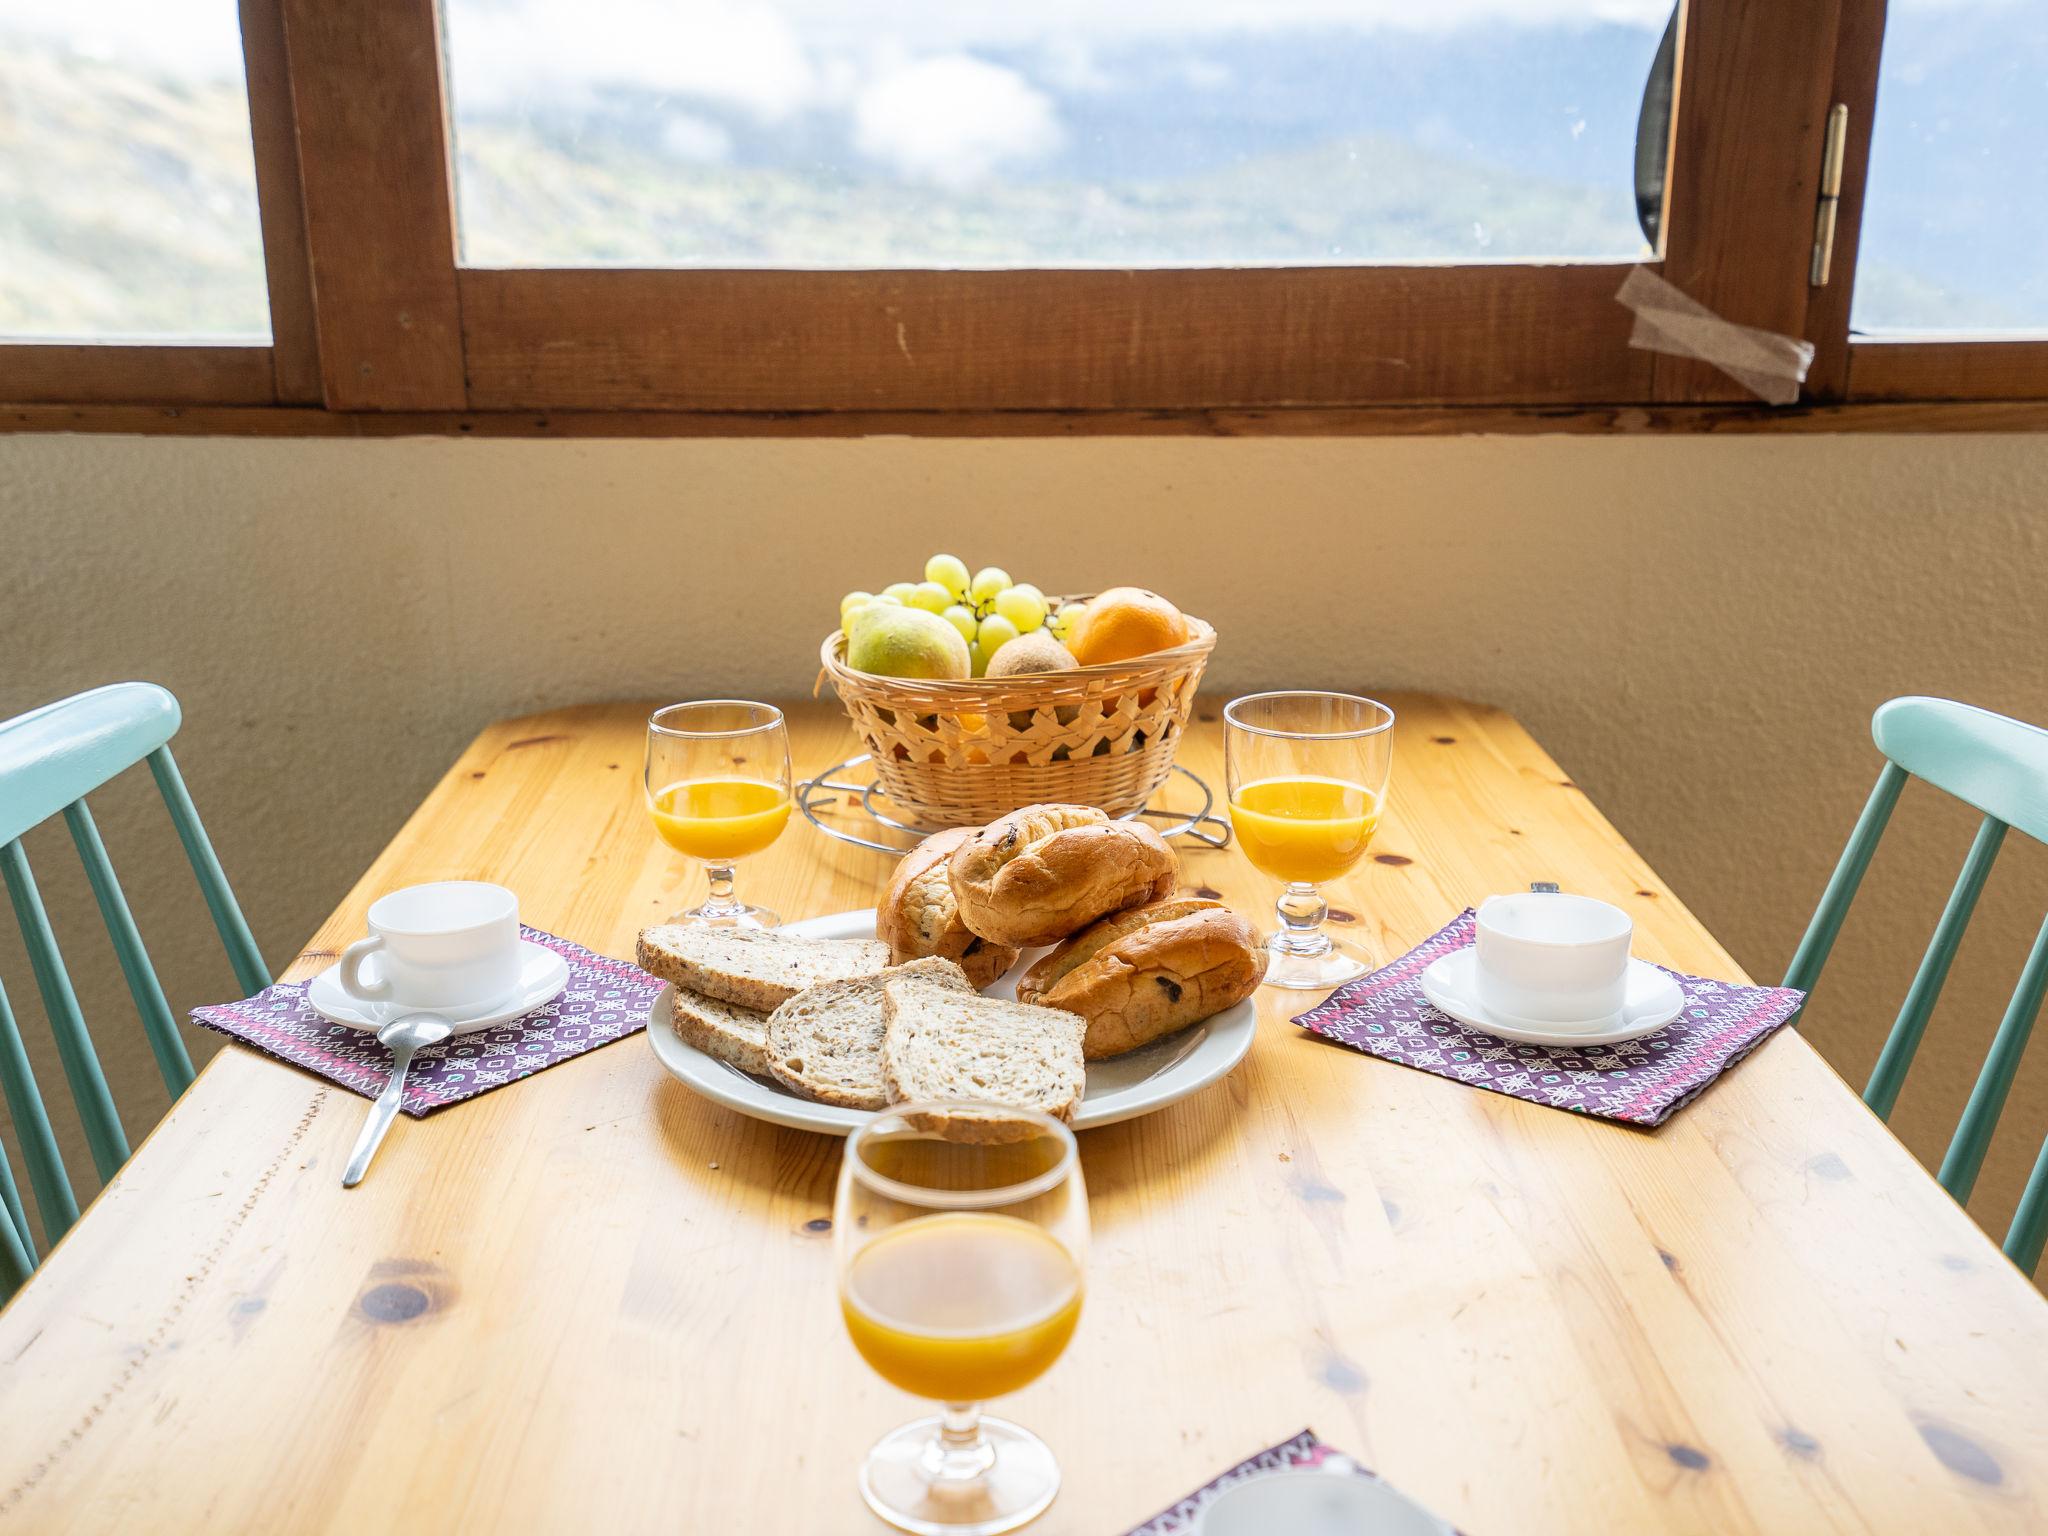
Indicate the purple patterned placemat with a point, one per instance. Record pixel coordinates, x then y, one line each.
1301 1453
605 1000
1639 1082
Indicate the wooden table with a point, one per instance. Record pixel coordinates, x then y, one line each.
592 1301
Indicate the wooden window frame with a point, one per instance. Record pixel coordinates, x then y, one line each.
378 329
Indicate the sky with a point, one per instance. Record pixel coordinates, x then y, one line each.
566 37
771 39
910 76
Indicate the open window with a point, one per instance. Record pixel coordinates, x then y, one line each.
799 215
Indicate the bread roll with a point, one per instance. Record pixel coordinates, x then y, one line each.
1039 874
918 916
1145 973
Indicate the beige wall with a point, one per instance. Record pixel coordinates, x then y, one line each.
1697 628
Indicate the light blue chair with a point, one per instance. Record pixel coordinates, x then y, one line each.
50 760
2000 766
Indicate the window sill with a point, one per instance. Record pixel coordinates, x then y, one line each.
1921 416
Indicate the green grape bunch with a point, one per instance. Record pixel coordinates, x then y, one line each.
985 606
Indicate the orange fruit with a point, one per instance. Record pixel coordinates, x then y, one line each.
1125 622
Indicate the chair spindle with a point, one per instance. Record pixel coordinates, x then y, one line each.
1812 953
150 1003
1903 1043
103 1133
228 921
1987 1100
55 1202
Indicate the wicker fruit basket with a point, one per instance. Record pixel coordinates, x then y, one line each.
959 754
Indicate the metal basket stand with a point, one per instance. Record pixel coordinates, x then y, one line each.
855 809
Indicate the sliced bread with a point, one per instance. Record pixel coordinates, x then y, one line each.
755 969
826 1042
725 1030
939 1042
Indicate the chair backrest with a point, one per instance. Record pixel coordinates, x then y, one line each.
2000 766
50 760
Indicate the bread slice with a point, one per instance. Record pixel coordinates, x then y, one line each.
826 1042
725 1030
754 968
939 1042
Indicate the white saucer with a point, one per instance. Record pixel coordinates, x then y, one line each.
542 976
1653 1000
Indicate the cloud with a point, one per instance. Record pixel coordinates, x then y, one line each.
742 55
195 43
953 120
689 137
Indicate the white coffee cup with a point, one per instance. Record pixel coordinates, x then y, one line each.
1551 960
452 945
1315 1502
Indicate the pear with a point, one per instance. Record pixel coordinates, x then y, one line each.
891 641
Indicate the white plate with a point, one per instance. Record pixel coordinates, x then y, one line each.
1136 1083
1653 1000
542 975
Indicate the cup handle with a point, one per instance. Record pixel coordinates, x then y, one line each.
351 969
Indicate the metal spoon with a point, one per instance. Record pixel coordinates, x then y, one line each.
401 1037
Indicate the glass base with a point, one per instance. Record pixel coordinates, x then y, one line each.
1319 968
903 1483
732 914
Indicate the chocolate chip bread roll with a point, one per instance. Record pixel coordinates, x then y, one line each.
1041 873
1147 972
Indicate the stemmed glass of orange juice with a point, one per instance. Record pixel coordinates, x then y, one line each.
718 788
1306 775
961 1233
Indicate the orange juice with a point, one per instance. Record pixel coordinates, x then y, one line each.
1304 828
719 820
963 1306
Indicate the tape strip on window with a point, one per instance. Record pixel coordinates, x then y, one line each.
1767 364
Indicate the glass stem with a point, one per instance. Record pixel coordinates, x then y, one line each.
959 1453
1302 910
721 900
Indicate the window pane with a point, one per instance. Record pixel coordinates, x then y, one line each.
127 185
1955 221
835 133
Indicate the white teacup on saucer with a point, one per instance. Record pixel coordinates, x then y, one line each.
1545 958
1316 1502
1553 970
451 947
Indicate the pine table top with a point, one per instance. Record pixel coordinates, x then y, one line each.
592 1300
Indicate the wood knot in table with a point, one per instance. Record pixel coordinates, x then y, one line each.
393 1302
1314 1191
1960 1454
1799 1443
402 1290
1394 860
1341 1375
1689 1457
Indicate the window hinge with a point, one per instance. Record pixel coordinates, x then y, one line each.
1830 196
